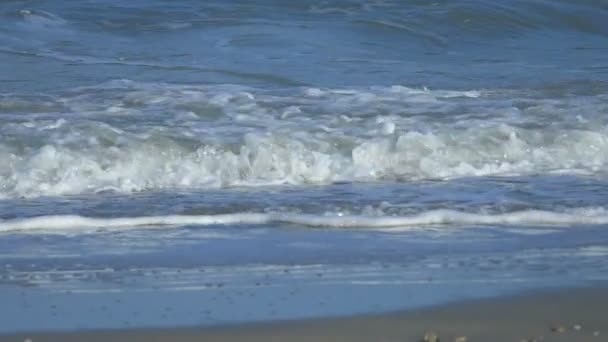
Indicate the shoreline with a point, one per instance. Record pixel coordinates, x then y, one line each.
576 314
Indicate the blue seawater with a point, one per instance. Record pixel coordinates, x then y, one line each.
173 163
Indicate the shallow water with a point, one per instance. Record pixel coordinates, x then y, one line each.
164 154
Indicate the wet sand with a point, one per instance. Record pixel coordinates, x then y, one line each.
566 315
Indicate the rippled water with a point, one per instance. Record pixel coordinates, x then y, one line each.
143 143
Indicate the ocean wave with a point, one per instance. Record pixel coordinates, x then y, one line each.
436 21
429 218
130 137
161 163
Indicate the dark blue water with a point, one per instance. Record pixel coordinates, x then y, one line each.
440 44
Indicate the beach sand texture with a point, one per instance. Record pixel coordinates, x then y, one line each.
570 315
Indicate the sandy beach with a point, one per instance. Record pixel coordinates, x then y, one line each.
565 315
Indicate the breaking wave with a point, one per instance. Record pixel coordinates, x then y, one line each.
202 137
429 218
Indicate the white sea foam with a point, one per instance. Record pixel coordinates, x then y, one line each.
200 137
429 218
40 19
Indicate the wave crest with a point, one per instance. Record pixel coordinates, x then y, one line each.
433 217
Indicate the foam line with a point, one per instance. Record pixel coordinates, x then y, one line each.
69 222
433 217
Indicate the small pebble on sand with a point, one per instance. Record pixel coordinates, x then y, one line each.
430 336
